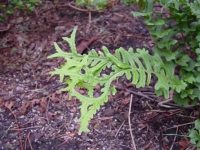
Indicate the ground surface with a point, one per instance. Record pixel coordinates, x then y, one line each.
35 115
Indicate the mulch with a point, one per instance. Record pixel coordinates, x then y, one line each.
34 114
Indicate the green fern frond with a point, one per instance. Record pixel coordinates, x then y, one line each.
88 71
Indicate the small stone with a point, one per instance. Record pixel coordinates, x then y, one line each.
19 89
60 29
9 146
17 20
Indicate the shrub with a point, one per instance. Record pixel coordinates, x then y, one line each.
175 28
195 134
94 4
101 4
9 7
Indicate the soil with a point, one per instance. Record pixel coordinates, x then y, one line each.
34 114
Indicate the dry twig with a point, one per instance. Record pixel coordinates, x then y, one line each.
140 94
120 128
129 122
174 139
89 21
180 125
81 9
29 141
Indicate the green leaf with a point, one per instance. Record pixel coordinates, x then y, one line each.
197 124
71 41
88 72
183 61
141 14
158 22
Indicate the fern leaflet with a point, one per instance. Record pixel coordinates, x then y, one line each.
88 71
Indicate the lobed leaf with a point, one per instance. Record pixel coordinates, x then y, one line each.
88 72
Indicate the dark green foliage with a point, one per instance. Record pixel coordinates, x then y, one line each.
9 7
128 1
195 134
175 29
94 4
102 4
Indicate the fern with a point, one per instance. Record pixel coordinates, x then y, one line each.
88 71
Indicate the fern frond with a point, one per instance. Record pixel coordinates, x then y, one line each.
88 71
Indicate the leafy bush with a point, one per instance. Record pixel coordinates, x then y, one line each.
95 4
175 28
87 72
129 1
9 7
195 134
101 4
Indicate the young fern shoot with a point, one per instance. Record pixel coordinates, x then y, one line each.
88 71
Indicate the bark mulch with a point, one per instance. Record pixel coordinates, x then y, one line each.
34 114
